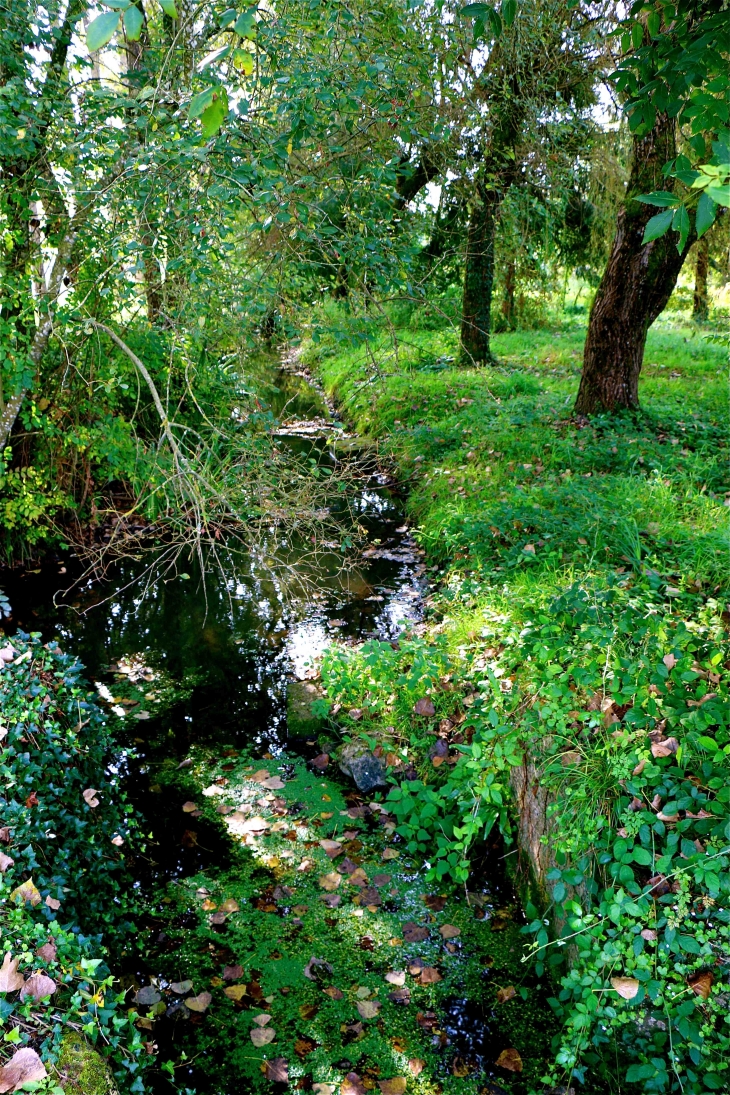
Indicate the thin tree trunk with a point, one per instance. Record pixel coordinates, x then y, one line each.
635 287
479 278
508 302
701 302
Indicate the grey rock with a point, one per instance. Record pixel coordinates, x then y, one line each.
356 761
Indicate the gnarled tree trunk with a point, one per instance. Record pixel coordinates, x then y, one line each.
636 285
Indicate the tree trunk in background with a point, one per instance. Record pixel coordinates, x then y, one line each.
479 278
636 285
508 302
701 302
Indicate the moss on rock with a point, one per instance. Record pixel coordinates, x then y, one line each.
82 1070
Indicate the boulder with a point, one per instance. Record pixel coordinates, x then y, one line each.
356 761
303 716
82 1070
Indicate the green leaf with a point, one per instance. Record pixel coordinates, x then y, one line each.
680 223
637 35
476 11
689 944
243 61
642 856
213 116
659 197
654 22
102 30
120 5
658 226
245 25
211 58
509 12
200 102
706 210
133 23
227 18
719 194
168 6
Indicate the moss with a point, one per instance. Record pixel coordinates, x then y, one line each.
303 718
82 1070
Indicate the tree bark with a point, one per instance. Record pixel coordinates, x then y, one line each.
636 285
508 301
479 278
701 302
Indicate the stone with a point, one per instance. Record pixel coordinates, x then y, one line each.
82 1070
356 761
303 719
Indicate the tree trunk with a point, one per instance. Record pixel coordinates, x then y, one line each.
636 285
479 278
508 302
701 302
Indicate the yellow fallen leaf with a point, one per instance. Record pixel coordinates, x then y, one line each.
28 893
627 987
330 881
510 1059
235 992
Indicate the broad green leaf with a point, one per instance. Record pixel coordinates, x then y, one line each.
719 194
680 223
133 23
637 35
211 58
706 210
509 11
212 118
495 22
120 5
102 30
658 226
227 18
476 11
168 6
243 61
245 25
201 102
654 22
660 197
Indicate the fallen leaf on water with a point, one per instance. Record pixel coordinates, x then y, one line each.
274 784
200 1002
416 1066
276 1070
22 1068
261 1036
37 986
235 992
510 1059
334 993
701 983
627 987
10 979
90 797
189 807
181 987
429 975
147 996
368 1009
47 952
424 707
352 1085
449 931
230 905
412 933
321 762
435 902
396 1086
505 994
330 881
396 977
332 848
28 893
262 1019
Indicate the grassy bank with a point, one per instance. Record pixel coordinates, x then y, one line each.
582 597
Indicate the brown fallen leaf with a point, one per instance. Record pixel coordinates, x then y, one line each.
117 841
396 977
28 894
323 1089
416 1065
189 807
358 877
669 660
666 748
235 992
381 879
262 1036
332 848
330 881
181 988
315 967
90 797
274 784
308 1011
435 902
412 933
256 825
510 1059
320 762
303 1047
10 979
331 900
449 931
6 862
218 918
391 853
368 1009
262 1019
260 776
396 1086
429 975
505 994
424 707
626 987
37 987
200 1002
230 905
400 996
232 973
649 934
701 983
370 897
22 1068
352 1085
47 952
276 1070
334 993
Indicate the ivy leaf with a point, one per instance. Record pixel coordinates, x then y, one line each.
101 30
658 226
133 22
680 223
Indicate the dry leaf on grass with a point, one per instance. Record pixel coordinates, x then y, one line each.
368 1009
701 983
47 952
510 1059
232 973
412 933
10 979
666 748
262 1036
391 853
332 848
314 967
189 807
416 1066
52 903
230 905
396 977
22 1068
352 1085
334 993
235 992
323 1089
181 987
505 994
429 975
276 1070
274 784
435 902
37 986
262 1019
449 931
5 862
424 707
199 1003
330 881
260 776
396 1086
627 987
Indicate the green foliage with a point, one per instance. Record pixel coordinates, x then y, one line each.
56 746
